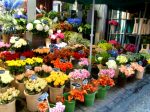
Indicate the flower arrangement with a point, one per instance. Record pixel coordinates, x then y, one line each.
115 43
74 21
43 71
34 61
62 64
79 74
59 107
109 72
111 64
63 26
130 47
4 47
39 27
41 50
83 62
122 59
16 66
8 96
126 70
57 79
58 34
113 22
79 55
34 85
89 88
137 67
103 80
5 79
7 55
105 46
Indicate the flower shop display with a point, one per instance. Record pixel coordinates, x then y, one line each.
77 77
5 80
89 97
105 46
113 65
43 71
130 47
104 82
33 89
83 63
109 72
56 82
8 99
121 59
71 97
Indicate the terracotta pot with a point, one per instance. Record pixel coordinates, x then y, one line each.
54 93
21 88
10 107
32 101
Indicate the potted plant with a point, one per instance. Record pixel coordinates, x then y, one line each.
33 89
104 82
5 80
8 99
89 97
56 82
77 77
71 97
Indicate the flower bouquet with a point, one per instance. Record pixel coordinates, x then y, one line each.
130 47
33 89
34 61
104 82
4 47
121 59
113 24
7 100
89 97
109 72
83 63
56 81
5 80
43 71
77 77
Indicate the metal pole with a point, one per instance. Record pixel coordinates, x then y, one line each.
92 35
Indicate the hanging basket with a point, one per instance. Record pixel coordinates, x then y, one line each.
10 107
54 93
89 99
32 101
102 92
70 105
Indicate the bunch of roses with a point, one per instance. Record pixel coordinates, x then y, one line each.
126 70
110 72
130 47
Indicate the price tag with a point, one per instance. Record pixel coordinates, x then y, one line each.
28 67
22 57
2 71
76 85
85 81
33 77
43 97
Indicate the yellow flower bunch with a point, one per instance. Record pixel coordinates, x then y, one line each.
29 61
17 63
148 61
37 59
57 79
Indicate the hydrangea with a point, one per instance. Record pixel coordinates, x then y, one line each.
112 64
39 27
29 26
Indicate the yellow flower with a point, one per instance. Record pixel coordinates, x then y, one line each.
148 61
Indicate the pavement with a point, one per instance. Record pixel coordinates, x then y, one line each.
134 97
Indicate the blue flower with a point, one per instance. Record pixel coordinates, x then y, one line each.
74 21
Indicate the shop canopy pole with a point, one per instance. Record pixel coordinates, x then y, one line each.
91 35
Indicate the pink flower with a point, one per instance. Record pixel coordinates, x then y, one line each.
113 22
84 61
110 72
46 68
37 69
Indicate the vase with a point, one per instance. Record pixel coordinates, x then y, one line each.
21 88
112 28
76 83
121 80
3 89
70 105
38 41
139 75
10 107
54 93
6 38
89 99
32 101
102 92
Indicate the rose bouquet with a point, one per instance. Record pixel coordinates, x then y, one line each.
115 43
109 72
57 79
43 71
5 79
7 55
62 64
34 85
8 96
130 47
126 71
113 22
54 35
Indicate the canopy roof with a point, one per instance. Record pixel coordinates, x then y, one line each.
131 5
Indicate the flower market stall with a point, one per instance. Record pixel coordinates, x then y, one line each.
51 74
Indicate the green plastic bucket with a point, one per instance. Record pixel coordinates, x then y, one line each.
89 99
102 92
70 106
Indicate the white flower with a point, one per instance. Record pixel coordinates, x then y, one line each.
53 37
15 22
29 26
17 44
46 28
58 31
39 27
19 27
23 42
13 39
50 32
37 21
112 64
6 77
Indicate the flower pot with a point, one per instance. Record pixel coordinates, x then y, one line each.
121 81
102 92
3 89
21 88
32 101
38 41
70 106
6 38
10 107
76 81
89 99
54 93
139 75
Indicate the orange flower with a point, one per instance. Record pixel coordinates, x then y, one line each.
89 88
43 106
